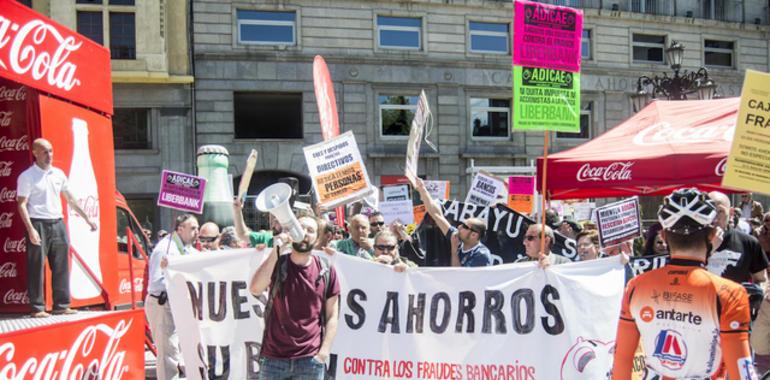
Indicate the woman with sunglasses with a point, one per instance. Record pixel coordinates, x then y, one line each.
386 251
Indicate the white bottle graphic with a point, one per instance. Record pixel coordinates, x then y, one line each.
83 186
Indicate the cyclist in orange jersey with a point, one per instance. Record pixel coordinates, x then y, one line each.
692 324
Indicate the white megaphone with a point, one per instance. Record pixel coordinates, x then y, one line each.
275 200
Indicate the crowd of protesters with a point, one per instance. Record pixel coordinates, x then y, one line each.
739 253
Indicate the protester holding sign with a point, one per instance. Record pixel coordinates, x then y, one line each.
680 337
156 304
532 247
301 313
467 249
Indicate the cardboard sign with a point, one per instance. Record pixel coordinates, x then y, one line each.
438 189
546 99
619 222
748 164
485 190
181 191
547 36
397 210
415 136
395 193
521 193
419 213
339 175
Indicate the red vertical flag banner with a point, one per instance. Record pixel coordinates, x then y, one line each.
327 111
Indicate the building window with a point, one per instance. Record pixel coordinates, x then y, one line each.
585 45
130 128
119 33
90 25
396 114
649 48
28 3
266 28
490 118
399 32
122 36
262 115
718 53
585 125
487 37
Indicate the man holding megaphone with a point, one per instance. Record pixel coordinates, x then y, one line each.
301 284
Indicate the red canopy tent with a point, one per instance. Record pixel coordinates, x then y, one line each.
669 144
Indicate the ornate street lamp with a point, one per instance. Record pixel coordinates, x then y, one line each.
678 87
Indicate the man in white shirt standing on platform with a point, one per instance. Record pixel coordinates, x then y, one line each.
37 195
156 304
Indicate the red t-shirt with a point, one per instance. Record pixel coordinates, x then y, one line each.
294 329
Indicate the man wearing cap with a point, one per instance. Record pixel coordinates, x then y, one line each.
467 248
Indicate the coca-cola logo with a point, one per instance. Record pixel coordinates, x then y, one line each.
12 297
5 168
721 167
616 171
28 53
78 361
7 195
90 206
6 219
664 133
15 246
125 285
6 117
8 144
10 94
8 270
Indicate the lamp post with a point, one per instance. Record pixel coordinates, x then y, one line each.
677 87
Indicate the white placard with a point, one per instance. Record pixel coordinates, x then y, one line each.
485 190
397 210
415 137
337 170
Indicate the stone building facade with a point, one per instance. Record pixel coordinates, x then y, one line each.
252 56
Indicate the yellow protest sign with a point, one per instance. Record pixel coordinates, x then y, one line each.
748 164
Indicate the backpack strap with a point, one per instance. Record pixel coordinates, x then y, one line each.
276 283
324 275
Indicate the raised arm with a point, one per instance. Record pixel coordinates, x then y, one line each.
431 207
238 222
261 279
73 203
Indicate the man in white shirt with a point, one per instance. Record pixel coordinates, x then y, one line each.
40 208
156 304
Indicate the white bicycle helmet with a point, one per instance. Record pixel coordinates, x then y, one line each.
686 211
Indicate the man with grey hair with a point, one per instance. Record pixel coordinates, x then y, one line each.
359 244
739 257
40 209
532 246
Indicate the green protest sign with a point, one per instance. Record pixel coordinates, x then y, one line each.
546 99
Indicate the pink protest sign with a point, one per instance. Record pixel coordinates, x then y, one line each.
521 185
181 191
547 36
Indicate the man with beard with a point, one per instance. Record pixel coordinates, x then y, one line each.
301 313
467 248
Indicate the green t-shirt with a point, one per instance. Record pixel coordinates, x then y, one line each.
261 237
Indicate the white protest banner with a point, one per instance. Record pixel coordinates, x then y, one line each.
215 313
338 172
424 323
485 189
415 136
402 211
437 189
619 222
395 193
443 323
